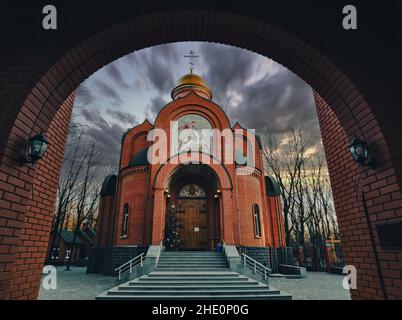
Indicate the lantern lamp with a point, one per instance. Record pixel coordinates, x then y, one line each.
36 148
360 152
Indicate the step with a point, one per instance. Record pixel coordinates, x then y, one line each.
194 264
201 258
190 268
189 282
193 273
194 279
191 262
173 262
212 256
175 259
280 296
191 252
191 288
198 292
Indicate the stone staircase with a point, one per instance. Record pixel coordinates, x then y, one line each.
192 275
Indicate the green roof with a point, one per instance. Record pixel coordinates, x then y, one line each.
272 187
68 237
139 159
109 186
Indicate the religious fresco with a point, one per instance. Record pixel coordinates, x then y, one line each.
192 191
192 140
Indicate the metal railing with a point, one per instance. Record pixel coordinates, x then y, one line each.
255 266
130 266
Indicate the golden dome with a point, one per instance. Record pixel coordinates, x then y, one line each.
191 79
191 82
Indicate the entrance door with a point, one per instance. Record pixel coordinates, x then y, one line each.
192 217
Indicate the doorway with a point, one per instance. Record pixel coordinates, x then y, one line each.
192 218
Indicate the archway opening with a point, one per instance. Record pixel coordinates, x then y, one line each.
194 202
342 110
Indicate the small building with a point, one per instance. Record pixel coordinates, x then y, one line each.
63 242
62 250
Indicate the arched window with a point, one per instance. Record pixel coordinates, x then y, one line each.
257 224
124 226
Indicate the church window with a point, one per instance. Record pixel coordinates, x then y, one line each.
55 253
68 254
257 224
125 221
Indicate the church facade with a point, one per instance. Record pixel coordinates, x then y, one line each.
212 200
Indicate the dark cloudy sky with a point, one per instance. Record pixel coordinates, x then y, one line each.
252 89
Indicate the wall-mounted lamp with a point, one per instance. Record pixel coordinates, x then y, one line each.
35 149
360 152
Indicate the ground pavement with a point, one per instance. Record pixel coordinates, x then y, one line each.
78 285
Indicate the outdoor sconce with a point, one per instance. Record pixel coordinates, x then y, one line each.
35 149
360 153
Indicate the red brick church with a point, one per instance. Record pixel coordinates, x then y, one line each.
213 202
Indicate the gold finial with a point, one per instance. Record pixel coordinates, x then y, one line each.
191 55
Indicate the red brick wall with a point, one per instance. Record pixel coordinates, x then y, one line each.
380 188
249 193
30 231
105 221
275 221
133 142
133 191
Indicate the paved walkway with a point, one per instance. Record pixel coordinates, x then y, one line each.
78 285
317 286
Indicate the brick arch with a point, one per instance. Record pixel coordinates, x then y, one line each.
213 113
167 171
342 110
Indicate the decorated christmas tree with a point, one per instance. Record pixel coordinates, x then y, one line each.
172 239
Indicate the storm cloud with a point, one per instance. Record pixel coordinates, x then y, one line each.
107 91
255 91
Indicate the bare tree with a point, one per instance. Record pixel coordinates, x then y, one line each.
88 195
67 190
309 214
284 160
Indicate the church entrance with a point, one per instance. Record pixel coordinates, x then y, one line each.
192 216
193 203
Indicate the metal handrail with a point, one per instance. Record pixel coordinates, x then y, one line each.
256 266
130 265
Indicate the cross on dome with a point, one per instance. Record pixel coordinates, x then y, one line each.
191 55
